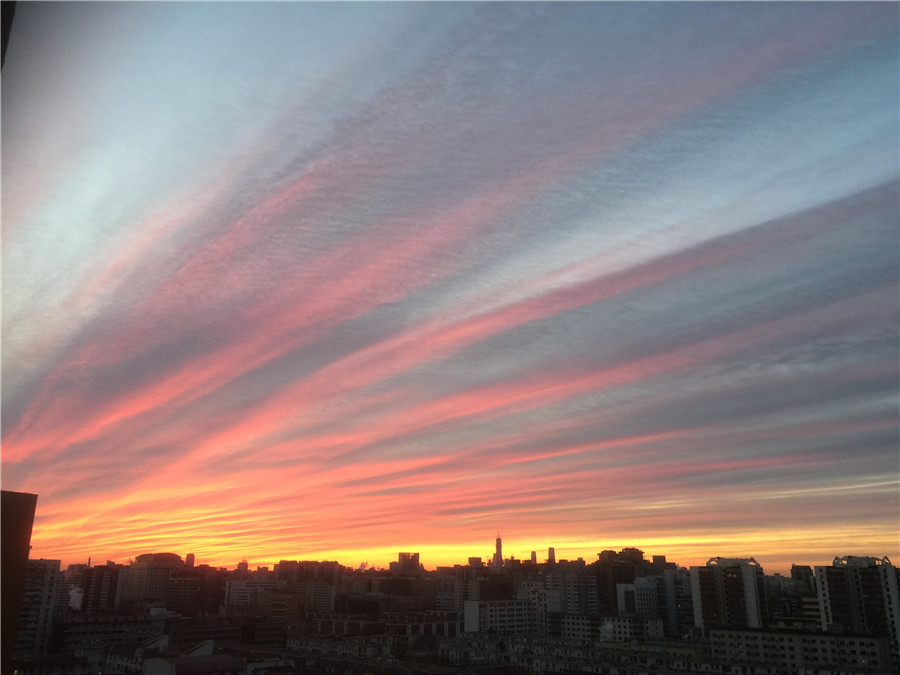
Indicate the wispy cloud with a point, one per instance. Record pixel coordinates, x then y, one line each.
435 270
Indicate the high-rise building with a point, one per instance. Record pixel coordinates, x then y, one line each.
504 616
39 600
17 515
803 578
498 553
570 589
859 595
407 564
71 586
551 555
100 588
147 577
729 593
612 569
679 601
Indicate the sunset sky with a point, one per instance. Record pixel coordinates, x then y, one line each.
336 280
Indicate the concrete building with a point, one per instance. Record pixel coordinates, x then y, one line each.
407 565
17 514
666 596
859 595
39 600
183 593
147 577
799 652
245 592
516 617
729 593
98 588
80 631
645 598
613 568
679 602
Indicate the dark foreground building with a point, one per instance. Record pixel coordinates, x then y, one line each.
17 514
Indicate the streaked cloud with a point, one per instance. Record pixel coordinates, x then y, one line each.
399 276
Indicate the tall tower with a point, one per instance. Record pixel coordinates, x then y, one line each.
498 553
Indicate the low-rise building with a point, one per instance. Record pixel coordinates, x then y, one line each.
801 652
501 616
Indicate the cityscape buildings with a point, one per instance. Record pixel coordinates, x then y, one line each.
620 613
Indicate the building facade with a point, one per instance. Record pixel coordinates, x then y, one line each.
859 595
729 593
39 601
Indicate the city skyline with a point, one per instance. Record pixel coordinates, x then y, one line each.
342 280
487 560
269 565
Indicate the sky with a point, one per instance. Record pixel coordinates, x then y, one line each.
334 280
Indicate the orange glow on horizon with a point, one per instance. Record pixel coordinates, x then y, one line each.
776 550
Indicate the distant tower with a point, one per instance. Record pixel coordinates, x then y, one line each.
189 560
551 555
498 553
534 557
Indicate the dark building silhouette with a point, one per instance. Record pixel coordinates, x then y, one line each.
100 588
612 569
803 576
8 12
407 564
17 512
